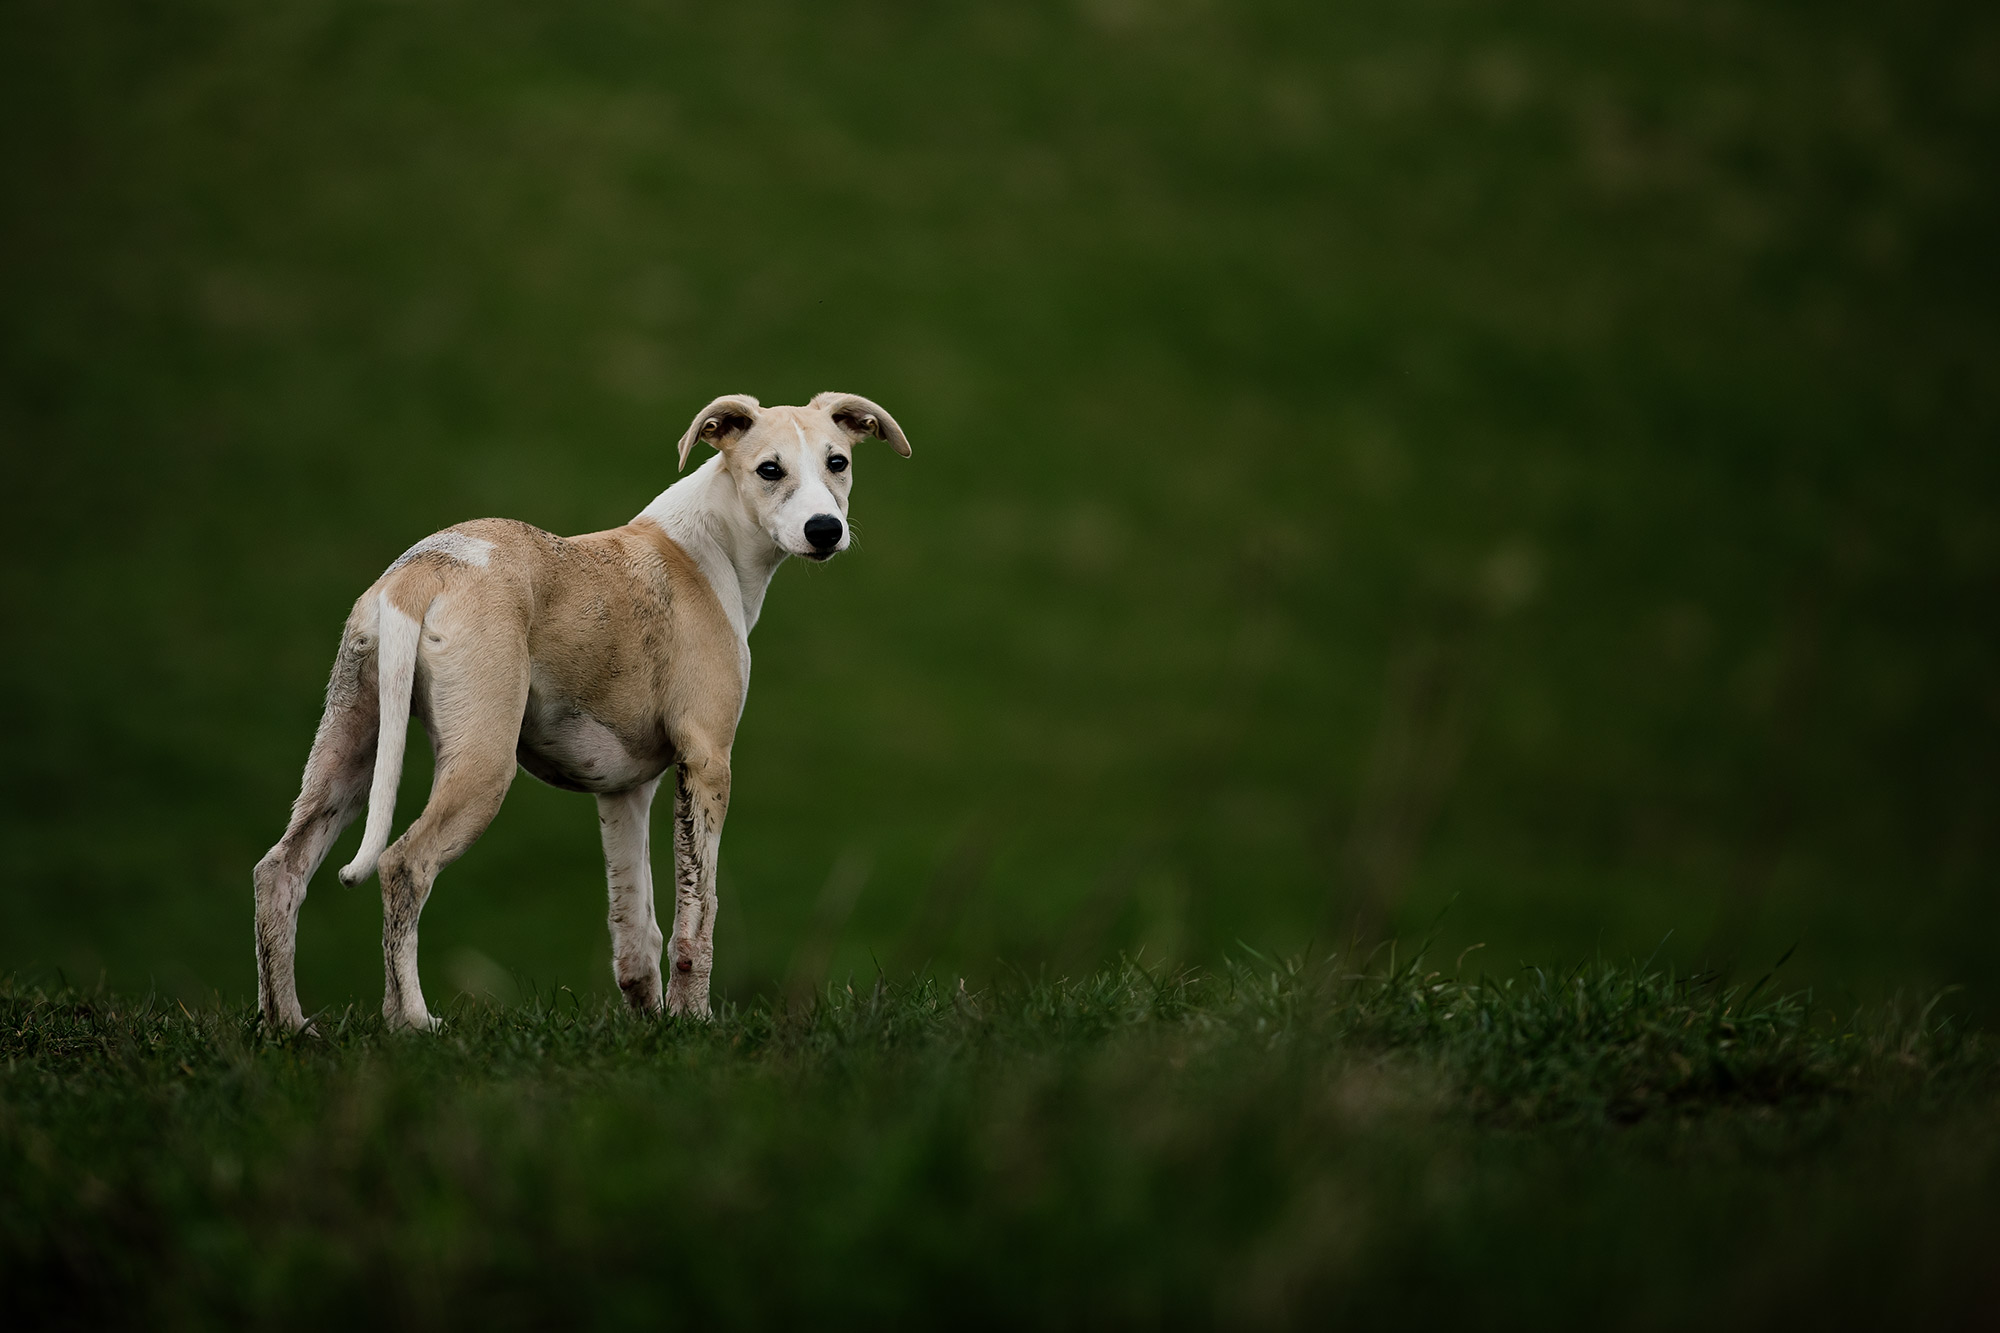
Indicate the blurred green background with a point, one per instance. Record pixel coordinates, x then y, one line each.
1524 472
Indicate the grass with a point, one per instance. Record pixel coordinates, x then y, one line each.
1263 1144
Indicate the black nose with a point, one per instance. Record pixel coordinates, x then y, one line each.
823 531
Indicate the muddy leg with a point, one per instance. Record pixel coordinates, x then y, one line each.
700 805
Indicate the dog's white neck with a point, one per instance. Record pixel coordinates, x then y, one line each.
704 514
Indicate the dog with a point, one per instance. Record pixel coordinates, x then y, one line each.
598 663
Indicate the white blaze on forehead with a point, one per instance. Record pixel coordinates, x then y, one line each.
800 431
451 545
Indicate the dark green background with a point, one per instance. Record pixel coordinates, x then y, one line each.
1534 458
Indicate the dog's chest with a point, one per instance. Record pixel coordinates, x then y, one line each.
566 747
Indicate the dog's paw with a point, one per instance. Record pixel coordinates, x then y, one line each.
417 1022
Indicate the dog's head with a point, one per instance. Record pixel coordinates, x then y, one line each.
794 466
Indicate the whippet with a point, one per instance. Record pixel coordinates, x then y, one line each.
597 663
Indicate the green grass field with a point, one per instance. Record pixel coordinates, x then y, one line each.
1522 476
1369 458
1268 1145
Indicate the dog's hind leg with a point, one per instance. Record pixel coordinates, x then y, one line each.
625 822
333 793
478 689
701 803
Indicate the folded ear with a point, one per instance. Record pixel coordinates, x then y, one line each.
858 416
719 423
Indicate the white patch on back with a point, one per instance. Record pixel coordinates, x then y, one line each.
452 546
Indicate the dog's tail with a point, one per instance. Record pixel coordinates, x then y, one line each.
396 666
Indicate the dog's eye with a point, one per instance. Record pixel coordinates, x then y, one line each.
770 471
838 463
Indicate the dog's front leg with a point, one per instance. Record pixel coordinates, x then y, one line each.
701 801
625 822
